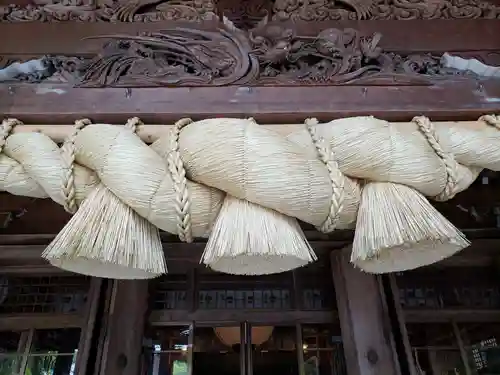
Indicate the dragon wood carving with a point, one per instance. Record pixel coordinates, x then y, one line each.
245 13
269 55
338 57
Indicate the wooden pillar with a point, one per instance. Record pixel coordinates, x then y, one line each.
124 328
88 335
364 323
402 325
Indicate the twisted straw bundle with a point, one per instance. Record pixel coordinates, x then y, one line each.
105 237
179 182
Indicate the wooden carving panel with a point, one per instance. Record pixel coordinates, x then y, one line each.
273 55
322 10
244 13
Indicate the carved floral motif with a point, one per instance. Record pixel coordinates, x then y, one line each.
228 56
246 13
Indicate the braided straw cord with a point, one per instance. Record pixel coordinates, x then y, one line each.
427 128
68 155
327 156
133 124
492 120
7 128
178 173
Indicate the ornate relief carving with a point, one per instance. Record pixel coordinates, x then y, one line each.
268 55
180 57
338 57
246 13
322 10
109 11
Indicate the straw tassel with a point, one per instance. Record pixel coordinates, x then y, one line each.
248 239
398 229
105 237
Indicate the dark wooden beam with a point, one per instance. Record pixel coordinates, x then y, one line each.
364 322
32 270
448 315
61 103
481 253
415 35
162 317
40 321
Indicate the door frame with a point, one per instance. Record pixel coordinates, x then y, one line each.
246 352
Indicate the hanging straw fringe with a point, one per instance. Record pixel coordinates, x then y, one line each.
398 230
248 239
105 237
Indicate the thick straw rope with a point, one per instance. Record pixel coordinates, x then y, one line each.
179 182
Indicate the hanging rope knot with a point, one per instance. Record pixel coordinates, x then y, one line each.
337 179
492 120
8 126
68 155
451 165
178 173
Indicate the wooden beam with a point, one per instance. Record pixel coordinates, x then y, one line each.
33 270
448 315
40 321
63 104
178 251
33 228
363 321
415 36
480 248
162 317
151 133
481 253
